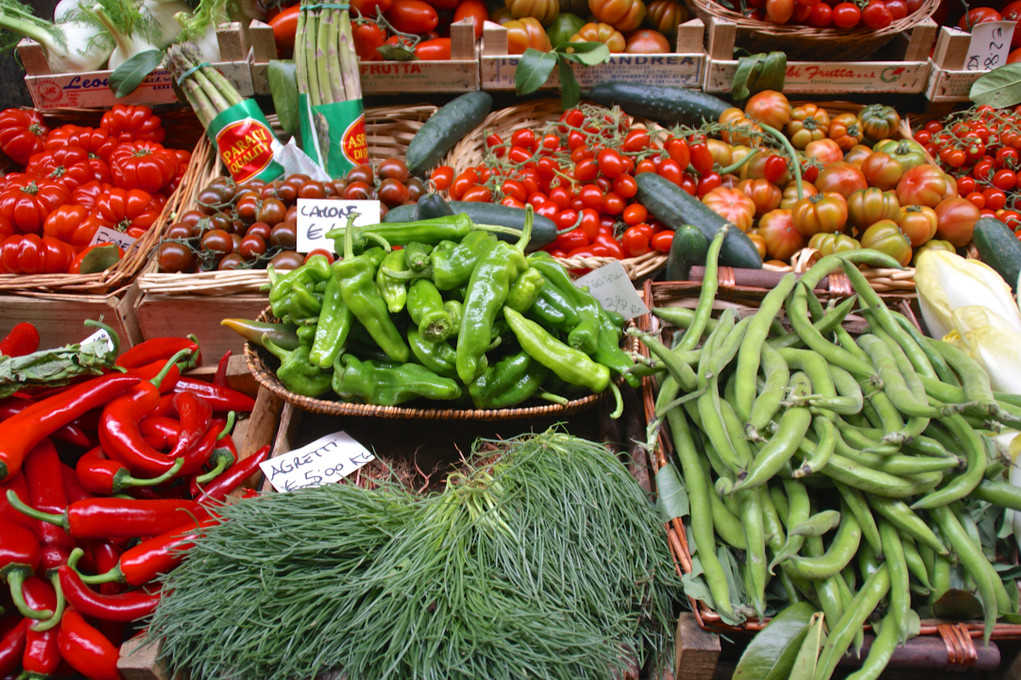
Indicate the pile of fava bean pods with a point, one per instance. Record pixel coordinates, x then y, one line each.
853 472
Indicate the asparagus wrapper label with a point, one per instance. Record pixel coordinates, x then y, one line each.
245 142
333 135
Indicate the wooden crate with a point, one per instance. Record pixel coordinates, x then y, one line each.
92 89
460 73
683 68
60 317
906 75
949 78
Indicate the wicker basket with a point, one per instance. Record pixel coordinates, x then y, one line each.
958 637
186 132
806 43
262 368
471 151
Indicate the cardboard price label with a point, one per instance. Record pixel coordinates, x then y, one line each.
990 45
318 216
613 288
108 235
324 461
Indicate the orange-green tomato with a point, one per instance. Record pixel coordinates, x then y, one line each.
827 244
543 10
524 33
601 32
919 222
868 206
820 213
769 107
934 244
624 15
647 41
808 122
782 240
886 237
665 16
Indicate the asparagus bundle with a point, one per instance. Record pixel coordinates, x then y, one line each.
330 88
237 126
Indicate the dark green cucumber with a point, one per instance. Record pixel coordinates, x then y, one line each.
445 128
689 247
432 205
662 103
544 230
675 207
999 248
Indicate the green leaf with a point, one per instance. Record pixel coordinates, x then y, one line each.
1001 87
283 86
957 605
100 259
534 69
807 659
587 53
570 90
129 75
397 52
774 648
739 86
673 498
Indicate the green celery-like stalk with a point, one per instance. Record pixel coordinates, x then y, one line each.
333 57
309 53
322 58
348 58
300 36
216 97
199 102
224 86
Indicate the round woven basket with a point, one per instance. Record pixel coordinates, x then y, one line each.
261 367
534 114
801 42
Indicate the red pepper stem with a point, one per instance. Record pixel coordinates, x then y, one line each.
157 379
58 611
224 459
50 517
114 575
228 426
154 481
15 581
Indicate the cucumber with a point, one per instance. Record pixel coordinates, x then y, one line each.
689 247
662 103
432 205
999 248
445 128
675 208
544 230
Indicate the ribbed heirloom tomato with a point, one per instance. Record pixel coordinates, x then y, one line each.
34 254
925 185
868 206
886 237
24 205
132 122
142 165
524 33
22 133
601 32
777 230
623 15
821 212
918 222
733 205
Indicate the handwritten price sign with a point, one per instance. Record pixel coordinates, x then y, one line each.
990 45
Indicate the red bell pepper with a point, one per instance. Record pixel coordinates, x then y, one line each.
100 475
46 494
86 649
127 606
21 432
21 340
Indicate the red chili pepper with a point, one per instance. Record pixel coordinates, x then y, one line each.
220 397
86 649
21 432
72 487
219 488
100 475
221 369
105 556
196 415
119 432
8 515
159 350
20 556
168 375
70 433
127 606
141 563
41 656
161 432
200 454
46 494
12 645
113 518
222 457
21 340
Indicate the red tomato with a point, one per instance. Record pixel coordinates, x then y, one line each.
367 8
635 240
925 185
978 15
846 15
841 177
22 133
474 10
777 230
32 254
876 15
821 16
285 25
412 16
436 49
441 177
898 8
131 122
662 240
733 205
142 165
368 37
956 218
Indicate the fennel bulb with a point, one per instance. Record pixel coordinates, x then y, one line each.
70 46
161 12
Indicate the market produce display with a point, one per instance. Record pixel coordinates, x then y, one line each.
454 315
74 180
111 464
540 556
857 471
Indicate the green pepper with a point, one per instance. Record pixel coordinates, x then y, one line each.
552 310
487 291
454 309
297 373
425 307
316 269
609 353
525 289
452 267
283 334
357 276
432 230
334 324
570 364
509 381
417 256
298 305
585 335
393 289
438 357
389 384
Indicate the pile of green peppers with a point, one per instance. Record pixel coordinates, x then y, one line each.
439 309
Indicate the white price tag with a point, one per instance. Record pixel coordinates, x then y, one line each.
990 45
317 216
108 235
324 461
100 336
611 286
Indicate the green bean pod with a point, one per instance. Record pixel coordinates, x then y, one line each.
707 295
750 352
767 403
838 555
881 650
830 321
916 565
859 507
898 513
843 631
797 313
756 563
900 577
827 435
844 470
894 384
976 461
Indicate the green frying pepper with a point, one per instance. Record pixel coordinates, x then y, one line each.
394 290
297 373
426 309
389 384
